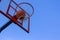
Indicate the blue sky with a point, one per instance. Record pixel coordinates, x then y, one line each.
45 23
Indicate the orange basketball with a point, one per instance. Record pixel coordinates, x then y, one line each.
20 15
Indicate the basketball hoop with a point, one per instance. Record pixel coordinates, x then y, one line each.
27 15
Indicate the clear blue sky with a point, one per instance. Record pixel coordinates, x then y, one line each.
45 23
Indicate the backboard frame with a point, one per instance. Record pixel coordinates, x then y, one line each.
17 22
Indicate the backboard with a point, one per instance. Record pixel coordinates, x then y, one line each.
9 15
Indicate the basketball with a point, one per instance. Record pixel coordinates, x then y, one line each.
20 15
